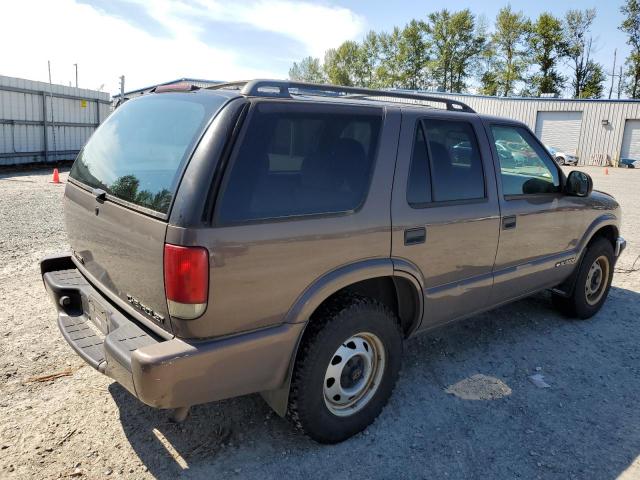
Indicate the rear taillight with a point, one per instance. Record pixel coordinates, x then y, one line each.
186 280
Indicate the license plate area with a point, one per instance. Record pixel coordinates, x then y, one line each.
97 315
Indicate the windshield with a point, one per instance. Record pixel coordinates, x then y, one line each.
138 152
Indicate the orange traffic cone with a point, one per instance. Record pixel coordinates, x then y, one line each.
56 176
606 170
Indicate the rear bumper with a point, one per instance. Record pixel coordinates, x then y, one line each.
163 373
621 244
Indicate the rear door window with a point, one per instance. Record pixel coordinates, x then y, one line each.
456 164
300 160
446 165
136 155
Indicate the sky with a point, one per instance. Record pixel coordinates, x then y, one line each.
156 41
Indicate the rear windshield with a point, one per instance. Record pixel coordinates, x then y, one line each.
137 153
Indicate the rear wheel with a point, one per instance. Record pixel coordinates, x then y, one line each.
592 283
560 160
346 370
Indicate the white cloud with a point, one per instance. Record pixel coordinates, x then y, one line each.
105 46
317 27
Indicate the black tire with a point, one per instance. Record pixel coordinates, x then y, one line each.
332 326
580 304
560 160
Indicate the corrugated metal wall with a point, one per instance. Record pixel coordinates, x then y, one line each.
28 109
596 143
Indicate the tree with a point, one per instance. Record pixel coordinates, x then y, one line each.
456 45
413 56
547 44
632 74
340 64
579 43
593 81
489 83
509 44
438 27
470 42
389 73
631 26
308 70
369 60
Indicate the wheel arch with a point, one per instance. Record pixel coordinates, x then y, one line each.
605 226
375 278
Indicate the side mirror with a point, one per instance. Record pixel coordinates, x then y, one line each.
579 184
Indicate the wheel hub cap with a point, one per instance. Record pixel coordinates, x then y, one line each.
353 374
597 279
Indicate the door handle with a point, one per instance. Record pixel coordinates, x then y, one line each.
509 222
414 236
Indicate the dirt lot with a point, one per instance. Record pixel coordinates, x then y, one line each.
464 407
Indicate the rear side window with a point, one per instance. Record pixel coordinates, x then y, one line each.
297 160
446 164
137 153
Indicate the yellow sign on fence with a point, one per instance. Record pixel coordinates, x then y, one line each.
83 104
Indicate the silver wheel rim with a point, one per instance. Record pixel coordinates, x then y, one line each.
354 374
597 279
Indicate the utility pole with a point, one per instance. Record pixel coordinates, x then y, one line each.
53 123
613 72
121 89
76 65
620 83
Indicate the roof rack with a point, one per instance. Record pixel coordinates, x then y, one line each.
282 89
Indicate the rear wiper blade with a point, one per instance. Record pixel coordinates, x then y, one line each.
99 194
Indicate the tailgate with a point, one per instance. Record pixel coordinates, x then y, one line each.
120 192
120 250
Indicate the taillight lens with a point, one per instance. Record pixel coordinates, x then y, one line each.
186 280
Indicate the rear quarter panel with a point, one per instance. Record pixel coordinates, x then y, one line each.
258 271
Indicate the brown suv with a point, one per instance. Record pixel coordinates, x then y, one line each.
286 238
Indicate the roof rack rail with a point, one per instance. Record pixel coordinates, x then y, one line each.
281 88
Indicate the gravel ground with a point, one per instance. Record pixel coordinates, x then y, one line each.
464 407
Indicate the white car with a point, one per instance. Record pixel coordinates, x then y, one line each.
563 158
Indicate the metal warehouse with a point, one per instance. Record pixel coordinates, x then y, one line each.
599 132
40 122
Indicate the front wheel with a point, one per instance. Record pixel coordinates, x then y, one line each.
348 365
592 283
